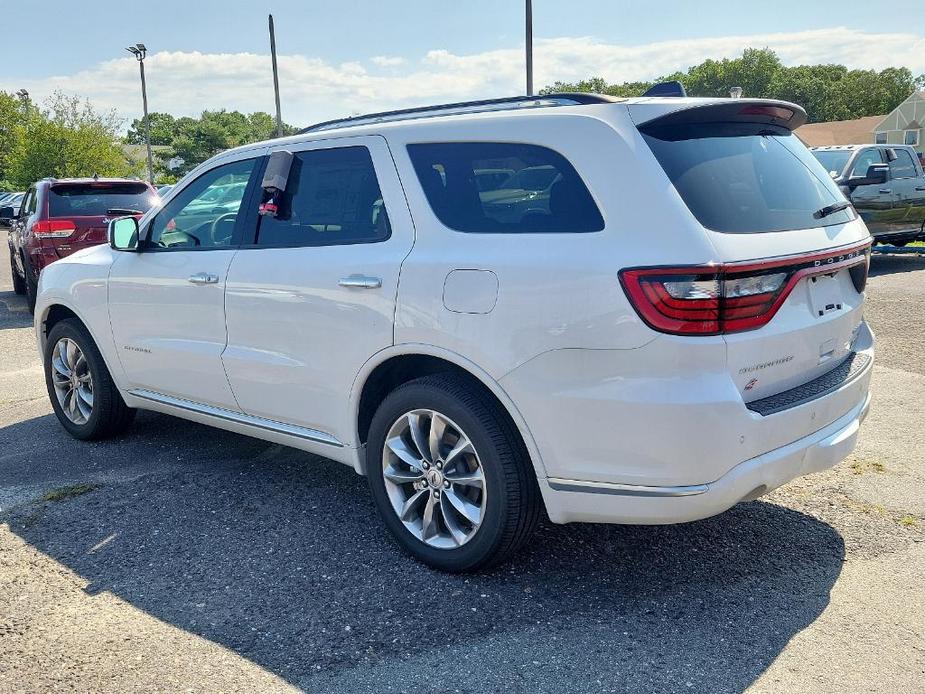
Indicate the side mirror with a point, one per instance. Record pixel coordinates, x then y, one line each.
123 234
876 174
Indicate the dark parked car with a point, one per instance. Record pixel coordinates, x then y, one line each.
885 183
60 216
10 200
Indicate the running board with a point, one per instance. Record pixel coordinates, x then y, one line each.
238 417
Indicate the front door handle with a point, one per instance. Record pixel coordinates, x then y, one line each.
885 191
203 278
920 188
360 282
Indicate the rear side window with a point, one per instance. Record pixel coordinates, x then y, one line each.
504 188
746 177
97 199
332 198
902 166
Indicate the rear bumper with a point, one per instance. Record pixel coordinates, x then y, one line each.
569 501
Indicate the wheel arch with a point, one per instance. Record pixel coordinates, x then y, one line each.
402 363
57 310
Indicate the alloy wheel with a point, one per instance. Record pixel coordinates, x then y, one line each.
434 479
72 380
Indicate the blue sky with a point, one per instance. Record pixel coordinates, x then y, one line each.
341 57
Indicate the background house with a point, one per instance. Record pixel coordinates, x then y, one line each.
840 132
905 125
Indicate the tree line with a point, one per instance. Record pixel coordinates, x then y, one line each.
66 136
827 92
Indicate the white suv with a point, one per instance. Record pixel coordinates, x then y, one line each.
621 311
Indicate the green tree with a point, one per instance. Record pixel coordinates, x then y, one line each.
67 138
827 92
163 129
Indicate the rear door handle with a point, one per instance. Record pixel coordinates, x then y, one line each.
920 188
203 278
360 282
885 191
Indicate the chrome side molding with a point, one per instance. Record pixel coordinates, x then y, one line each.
238 417
562 485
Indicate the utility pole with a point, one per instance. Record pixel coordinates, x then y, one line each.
139 51
279 116
529 32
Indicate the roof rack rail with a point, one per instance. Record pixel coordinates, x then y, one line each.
556 99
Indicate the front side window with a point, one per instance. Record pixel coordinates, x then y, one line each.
504 188
204 214
865 160
903 166
911 138
332 198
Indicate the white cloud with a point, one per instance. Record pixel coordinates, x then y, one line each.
185 83
388 60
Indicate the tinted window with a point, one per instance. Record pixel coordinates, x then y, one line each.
902 166
739 178
96 199
865 160
204 214
832 160
332 197
542 193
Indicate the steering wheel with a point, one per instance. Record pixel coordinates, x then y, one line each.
228 216
176 233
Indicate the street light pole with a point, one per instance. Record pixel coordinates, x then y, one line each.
279 116
529 33
139 51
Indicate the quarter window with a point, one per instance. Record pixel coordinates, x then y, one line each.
205 213
332 197
902 166
504 188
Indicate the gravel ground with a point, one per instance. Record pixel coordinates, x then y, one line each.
192 559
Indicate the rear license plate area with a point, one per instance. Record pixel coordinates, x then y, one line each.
825 294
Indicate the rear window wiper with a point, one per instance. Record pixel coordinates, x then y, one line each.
123 210
831 209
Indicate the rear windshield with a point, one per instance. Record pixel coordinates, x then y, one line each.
746 178
97 199
833 161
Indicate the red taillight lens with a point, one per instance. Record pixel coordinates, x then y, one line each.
715 300
773 111
54 228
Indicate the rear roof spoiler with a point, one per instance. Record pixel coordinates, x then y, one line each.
673 88
781 114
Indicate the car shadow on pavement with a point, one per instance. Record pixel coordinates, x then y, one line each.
886 264
279 556
13 311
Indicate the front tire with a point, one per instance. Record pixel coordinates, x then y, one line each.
82 393
32 285
450 475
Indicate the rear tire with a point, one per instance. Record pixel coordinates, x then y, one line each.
82 393
473 523
19 284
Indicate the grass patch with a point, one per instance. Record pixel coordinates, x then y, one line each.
69 492
859 467
908 521
918 244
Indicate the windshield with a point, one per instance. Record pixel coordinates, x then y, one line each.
96 199
746 178
833 161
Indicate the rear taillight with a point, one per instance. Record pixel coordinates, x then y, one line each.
53 228
714 300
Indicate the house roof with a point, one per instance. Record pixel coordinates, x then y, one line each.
839 132
914 96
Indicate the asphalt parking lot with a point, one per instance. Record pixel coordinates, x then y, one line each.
182 558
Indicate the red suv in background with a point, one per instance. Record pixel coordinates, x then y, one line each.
60 216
